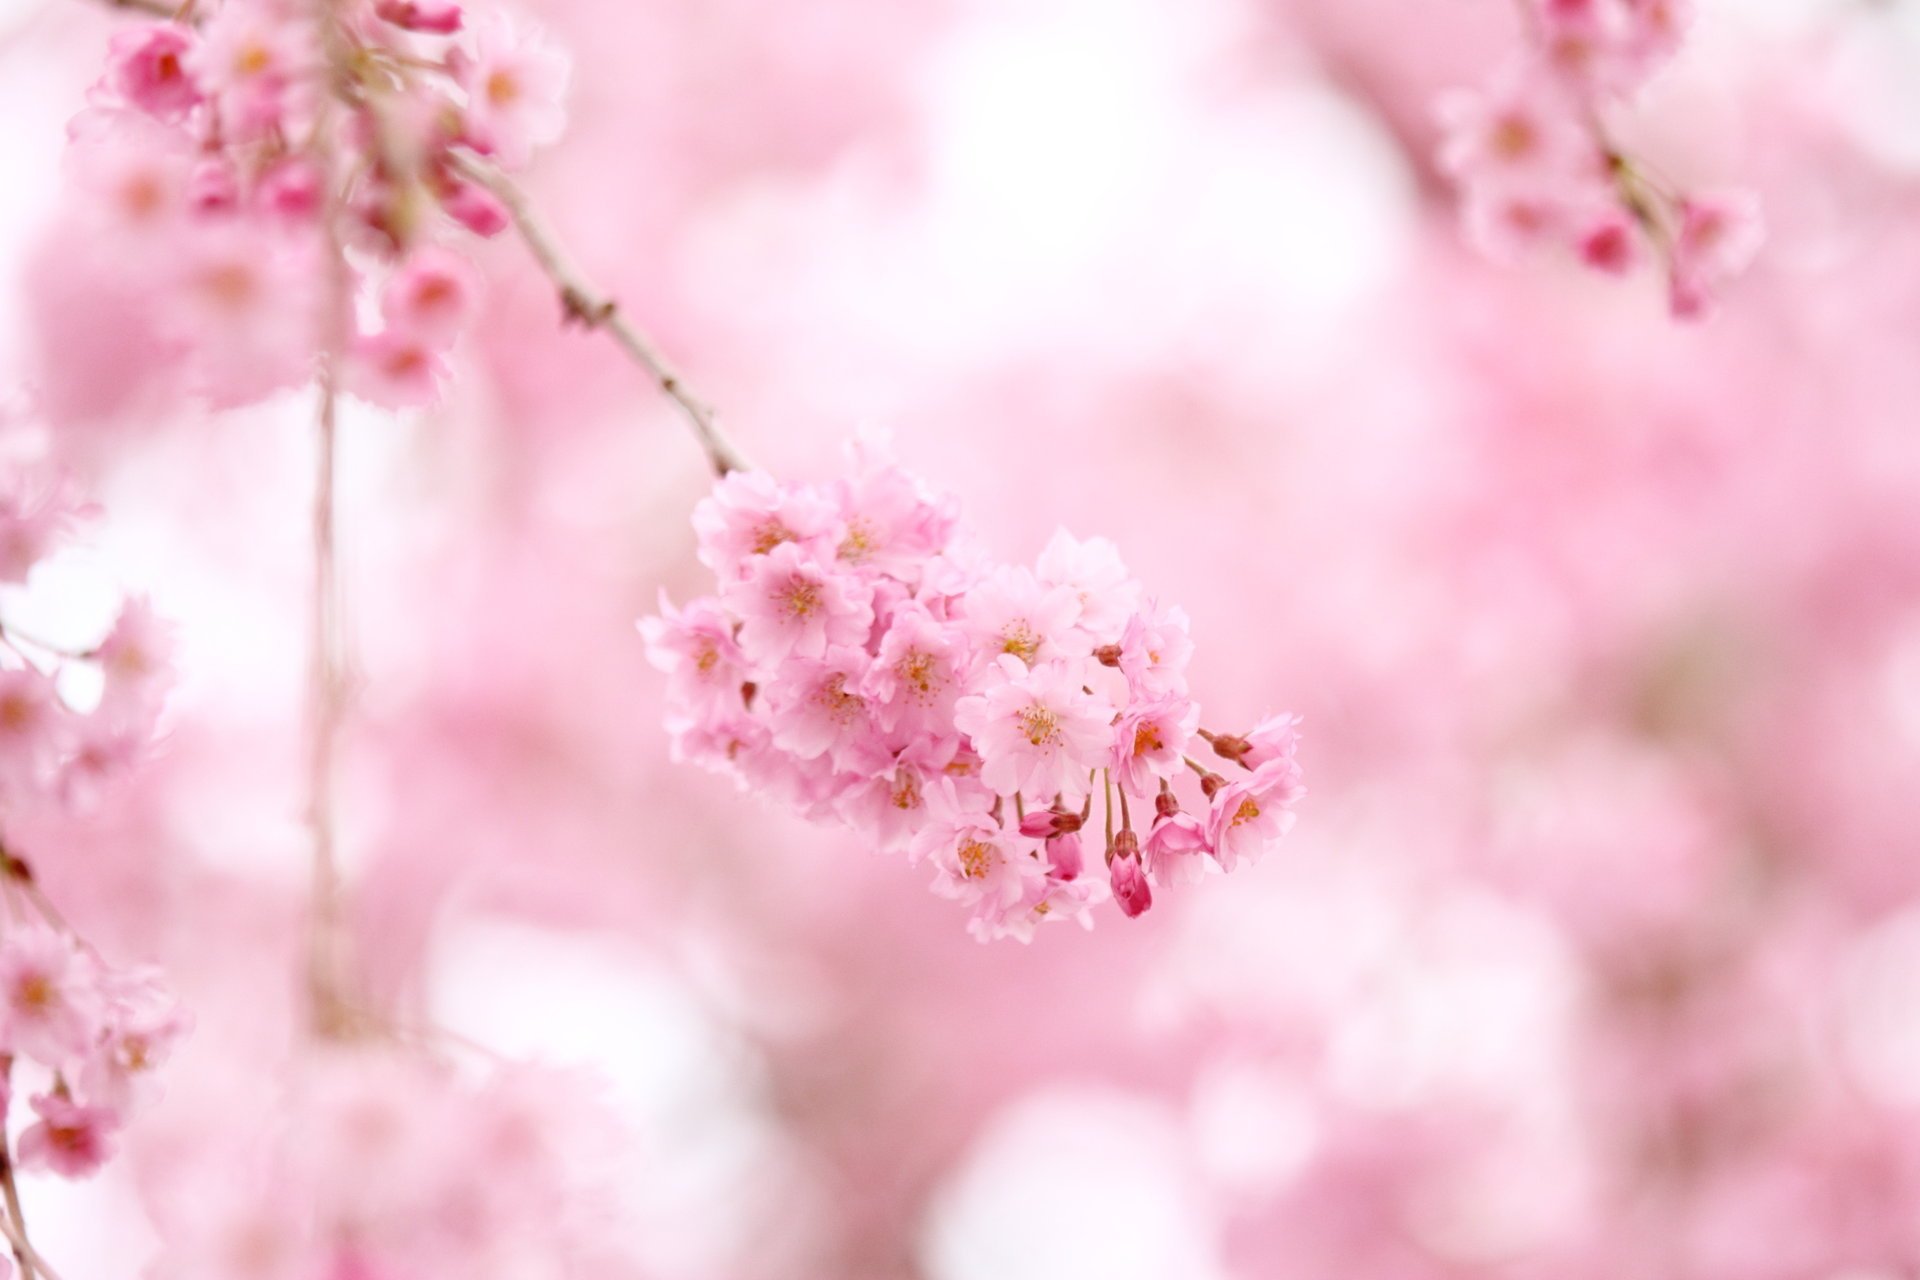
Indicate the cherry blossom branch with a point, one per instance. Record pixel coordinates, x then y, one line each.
585 305
326 956
16 1220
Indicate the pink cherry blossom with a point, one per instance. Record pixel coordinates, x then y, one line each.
1037 729
45 1008
255 61
515 83
1174 851
918 673
1718 237
1251 812
1012 612
431 295
147 67
788 605
397 368
1149 741
33 727
696 648
135 661
749 514
818 709
71 1138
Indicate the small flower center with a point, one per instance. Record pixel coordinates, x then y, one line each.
1019 640
1040 725
859 544
503 88
977 859
918 672
802 597
1249 810
770 534
1514 137
1146 739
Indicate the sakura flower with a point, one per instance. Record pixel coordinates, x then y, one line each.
397 369
515 82
431 295
244 300
1149 740
1051 901
35 512
33 727
131 174
44 1011
1092 571
1013 613
1517 135
749 514
71 1139
978 863
147 68
889 524
143 1024
1252 812
1718 238
1038 730
891 807
695 647
104 750
1173 852
251 59
134 663
1153 652
918 672
818 709
789 606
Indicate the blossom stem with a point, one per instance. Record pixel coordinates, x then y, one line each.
326 953
16 1219
581 303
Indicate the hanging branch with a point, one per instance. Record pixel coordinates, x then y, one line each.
582 304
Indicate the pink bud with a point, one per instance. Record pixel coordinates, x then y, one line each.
1609 245
1065 857
212 187
291 189
148 67
1130 887
434 17
475 208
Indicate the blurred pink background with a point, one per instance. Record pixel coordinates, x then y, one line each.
1596 952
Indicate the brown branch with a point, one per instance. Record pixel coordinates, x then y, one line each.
582 304
326 954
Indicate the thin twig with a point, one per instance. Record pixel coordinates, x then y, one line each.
325 958
581 303
17 1237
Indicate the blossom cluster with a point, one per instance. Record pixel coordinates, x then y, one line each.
99 1034
380 1161
228 170
52 751
1537 165
864 663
